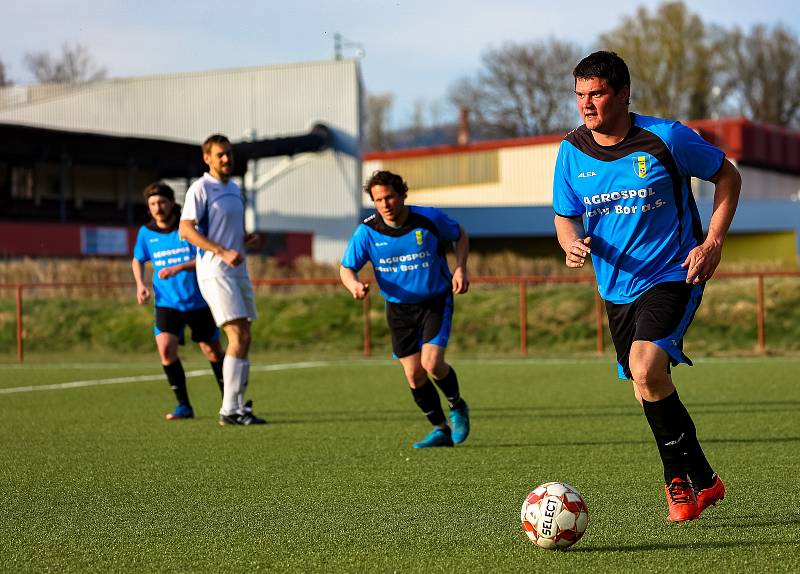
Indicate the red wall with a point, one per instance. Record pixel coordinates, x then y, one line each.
46 239
64 240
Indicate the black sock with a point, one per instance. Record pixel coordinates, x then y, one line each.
177 382
449 386
670 429
677 442
217 368
700 470
427 400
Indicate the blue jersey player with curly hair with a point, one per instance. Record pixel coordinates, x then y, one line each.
406 246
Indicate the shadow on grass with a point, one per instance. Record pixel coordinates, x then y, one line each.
549 444
747 522
685 545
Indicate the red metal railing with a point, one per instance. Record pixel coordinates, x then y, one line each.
521 280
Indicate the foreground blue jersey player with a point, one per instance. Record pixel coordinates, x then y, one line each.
622 193
406 246
178 301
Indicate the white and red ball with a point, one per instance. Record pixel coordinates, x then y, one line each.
554 515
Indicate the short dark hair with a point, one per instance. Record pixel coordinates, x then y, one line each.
387 178
607 66
218 139
159 188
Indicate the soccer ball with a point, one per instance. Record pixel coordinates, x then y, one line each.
554 515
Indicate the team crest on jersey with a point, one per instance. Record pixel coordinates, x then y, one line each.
641 165
419 236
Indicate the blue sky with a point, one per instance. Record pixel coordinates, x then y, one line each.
414 49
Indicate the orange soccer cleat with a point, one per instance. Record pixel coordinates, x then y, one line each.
711 495
681 500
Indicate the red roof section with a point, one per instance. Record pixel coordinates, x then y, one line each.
747 142
488 145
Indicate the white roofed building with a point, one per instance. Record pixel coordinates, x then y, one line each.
311 193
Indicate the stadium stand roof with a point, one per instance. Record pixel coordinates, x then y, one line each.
168 158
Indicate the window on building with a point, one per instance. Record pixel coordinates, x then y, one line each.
22 182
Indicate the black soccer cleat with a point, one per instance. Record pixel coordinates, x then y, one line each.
245 419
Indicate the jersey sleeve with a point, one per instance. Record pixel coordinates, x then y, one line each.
694 156
449 229
140 251
356 254
565 201
194 204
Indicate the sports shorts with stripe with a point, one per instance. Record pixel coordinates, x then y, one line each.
413 324
661 315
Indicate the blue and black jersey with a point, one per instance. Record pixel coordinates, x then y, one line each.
164 248
637 201
409 261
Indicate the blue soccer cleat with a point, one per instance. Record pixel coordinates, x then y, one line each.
459 421
437 437
181 412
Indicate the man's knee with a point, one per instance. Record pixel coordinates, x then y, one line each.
648 365
415 374
645 373
167 349
212 351
432 359
435 366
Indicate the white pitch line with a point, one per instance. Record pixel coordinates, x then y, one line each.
159 377
367 362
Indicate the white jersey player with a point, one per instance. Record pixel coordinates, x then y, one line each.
213 221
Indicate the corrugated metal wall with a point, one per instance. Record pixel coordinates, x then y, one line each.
319 195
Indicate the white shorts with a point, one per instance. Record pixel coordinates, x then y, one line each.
229 298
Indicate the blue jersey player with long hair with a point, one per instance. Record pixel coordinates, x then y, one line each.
622 195
406 246
178 301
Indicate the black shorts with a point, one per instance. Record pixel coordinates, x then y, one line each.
414 324
660 315
200 321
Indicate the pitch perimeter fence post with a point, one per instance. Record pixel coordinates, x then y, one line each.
598 321
762 342
367 331
20 351
523 318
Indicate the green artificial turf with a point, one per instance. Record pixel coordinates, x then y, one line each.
94 480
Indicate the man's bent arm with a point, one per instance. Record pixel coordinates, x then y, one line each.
350 280
460 274
188 231
461 248
702 261
573 240
727 187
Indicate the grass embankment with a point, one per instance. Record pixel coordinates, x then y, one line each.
326 322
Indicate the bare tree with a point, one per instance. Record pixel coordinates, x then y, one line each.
417 127
378 109
4 80
761 72
669 56
521 89
75 65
